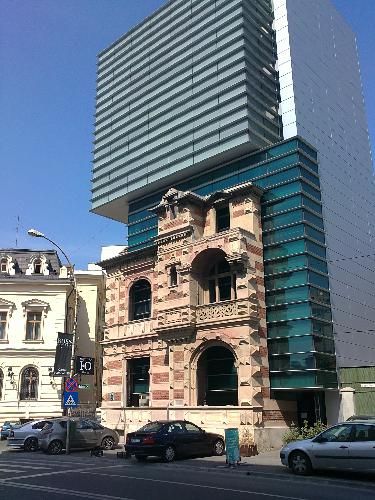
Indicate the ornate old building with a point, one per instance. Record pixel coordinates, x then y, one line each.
186 323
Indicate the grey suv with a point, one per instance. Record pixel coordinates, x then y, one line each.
84 434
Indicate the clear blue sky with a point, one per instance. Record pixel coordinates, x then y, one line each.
48 52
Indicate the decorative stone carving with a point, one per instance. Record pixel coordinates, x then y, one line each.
216 311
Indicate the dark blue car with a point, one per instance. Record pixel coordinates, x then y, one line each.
171 439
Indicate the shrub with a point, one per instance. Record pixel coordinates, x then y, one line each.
295 433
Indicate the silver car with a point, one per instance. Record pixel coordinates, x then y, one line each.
26 436
84 434
350 445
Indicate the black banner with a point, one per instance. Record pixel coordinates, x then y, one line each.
84 365
63 354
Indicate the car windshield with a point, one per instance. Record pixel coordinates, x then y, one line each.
151 427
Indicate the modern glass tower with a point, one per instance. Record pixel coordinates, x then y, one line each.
195 98
192 85
322 100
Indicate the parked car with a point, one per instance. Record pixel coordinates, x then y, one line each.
168 439
361 417
26 436
84 434
349 445
6 428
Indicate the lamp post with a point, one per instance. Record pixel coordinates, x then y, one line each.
38 234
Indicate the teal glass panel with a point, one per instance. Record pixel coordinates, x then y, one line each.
298 361
323 329
314 234
325 361
322 344
291 345
290 311
321 312
313 219
282 149
141 237
288 233
142 225
318 280
283 220
308 163
311 191
316 249
293 380
319 295
281 206
285 175
289 295
150 201
278 192
290 328
224 183
304 147
293 278
318 265
307 202
284 249
142 214
287 264
310 177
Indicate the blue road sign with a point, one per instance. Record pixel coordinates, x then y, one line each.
70 399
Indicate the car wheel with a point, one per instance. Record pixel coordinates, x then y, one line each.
218 448
55 447
300 463
141 458
31 444
108 443
169 454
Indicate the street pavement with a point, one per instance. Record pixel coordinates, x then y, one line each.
36 476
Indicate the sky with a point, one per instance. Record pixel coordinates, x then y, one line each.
48 51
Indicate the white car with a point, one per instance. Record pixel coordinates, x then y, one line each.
346 446
26 436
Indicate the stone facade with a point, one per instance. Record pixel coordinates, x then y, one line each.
207 291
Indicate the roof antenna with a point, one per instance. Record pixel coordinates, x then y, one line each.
17 229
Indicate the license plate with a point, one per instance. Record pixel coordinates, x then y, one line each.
135 440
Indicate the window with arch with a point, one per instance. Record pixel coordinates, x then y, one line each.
221 282
1 383
29 383
140 300
37 266
4 265
217 379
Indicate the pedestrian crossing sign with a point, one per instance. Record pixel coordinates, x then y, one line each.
70 399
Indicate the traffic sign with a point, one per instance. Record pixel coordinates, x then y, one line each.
71 385
70 399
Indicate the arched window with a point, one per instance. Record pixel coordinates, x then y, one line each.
4 265
1 383
217 379
140 300
221 282
37 266
29 383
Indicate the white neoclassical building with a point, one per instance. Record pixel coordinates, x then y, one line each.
35 302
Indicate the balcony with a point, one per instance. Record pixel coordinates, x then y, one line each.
228 311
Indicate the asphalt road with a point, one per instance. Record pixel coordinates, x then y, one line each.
36 476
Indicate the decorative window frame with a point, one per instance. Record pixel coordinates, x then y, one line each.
10 265
7 307
21 375
30 271
35 305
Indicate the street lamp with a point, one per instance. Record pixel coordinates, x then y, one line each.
38 234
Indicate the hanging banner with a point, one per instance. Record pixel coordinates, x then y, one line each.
63 354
